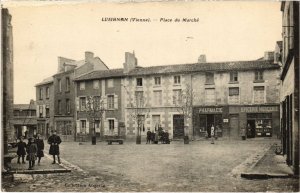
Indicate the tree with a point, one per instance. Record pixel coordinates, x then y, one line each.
183 100
95 108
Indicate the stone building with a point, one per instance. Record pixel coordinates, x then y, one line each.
45 107
25 120
64 91
289 97
230 95
106 115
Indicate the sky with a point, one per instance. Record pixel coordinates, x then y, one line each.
225 31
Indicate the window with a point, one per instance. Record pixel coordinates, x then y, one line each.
155 122
47 111
157 81
259 76
111 124
68 106
141 121
97 126
59 106
41 93
47 92
139 81
233 76
59 85
41 111
67 84
209 78
234 95
82 86
82 126
96 84
176 96
82 103
210 95
110 101
176 79
157 96
139 98
110 83
259 94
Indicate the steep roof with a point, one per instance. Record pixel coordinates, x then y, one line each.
198 67
45 81
99 74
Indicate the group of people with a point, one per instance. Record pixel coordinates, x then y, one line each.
158 135
34 149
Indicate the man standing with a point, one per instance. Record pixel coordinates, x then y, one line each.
212 134
54 141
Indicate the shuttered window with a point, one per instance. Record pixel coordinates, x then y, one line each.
210 96
234 95
259 94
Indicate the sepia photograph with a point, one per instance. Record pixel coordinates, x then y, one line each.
150 96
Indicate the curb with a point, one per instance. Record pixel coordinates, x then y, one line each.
264 176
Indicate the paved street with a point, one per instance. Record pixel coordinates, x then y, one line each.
199 166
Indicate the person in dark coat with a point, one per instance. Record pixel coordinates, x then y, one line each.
54 141
32 151
21 150
40 145
148 136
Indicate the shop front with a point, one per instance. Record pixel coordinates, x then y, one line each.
206 117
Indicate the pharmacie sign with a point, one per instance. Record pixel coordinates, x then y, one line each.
211 110
259 109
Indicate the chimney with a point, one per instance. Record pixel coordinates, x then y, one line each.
202 58
130 62
269 56
89 56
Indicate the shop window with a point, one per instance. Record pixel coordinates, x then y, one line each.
157 96
234 95
233 76
259 94
139 81
209 78
210 96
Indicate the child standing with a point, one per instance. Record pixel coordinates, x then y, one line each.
32 151
21 152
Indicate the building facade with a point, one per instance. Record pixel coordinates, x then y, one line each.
45 107
230 95
290 83
25 120
64 91
99 104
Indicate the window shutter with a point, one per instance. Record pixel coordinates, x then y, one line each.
37 110
87 127
44 110
78 126
116 128
77 103
106 129
116 102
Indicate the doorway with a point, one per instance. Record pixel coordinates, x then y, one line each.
210 122
250 128
178 126
234 126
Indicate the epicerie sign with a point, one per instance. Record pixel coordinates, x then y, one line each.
210 110
259 109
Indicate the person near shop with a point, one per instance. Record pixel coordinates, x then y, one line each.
212 134
156 137
54 141
148 136
21 150
40 145
31 151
